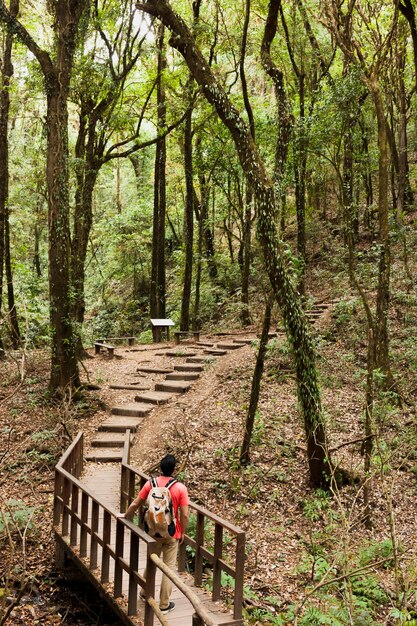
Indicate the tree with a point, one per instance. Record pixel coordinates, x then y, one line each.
157 286
372 69
56 71
98 92
273 249
5 253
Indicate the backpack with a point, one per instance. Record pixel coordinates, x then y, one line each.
159 520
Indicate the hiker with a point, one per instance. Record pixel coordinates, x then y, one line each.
167 545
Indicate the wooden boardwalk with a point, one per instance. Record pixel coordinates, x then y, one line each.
104 482
112 552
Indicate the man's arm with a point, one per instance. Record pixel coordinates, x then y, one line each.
184 515
135 504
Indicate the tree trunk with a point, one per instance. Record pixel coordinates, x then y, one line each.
246 257
196 325
273 248
83 220
244 458
157 287
300 169
405 194
247 216
57 74
188 222
285 119
5 253
381 342
203 208
407 9
13 317
347 191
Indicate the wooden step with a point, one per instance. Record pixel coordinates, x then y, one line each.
180 353
215 352
204 344
228 346
120 425
154 397
183 376
188 367
108 440
134 409
137 387
154 370
105 456
174 386
200 359
243 342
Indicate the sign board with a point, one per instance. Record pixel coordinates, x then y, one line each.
165 323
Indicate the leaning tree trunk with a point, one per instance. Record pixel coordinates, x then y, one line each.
247 215
273 248
256 385
300 170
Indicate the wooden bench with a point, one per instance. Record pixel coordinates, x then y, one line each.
100 344
185 333
130 340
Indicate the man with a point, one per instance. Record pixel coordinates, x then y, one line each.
168 546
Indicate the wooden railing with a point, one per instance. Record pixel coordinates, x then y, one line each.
216 554
94 535
84 532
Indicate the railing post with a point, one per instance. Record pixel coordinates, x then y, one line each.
84 519
57 494
218 551
239 574
79 462
94 529
74 511
131 486
198 561
132 598
123 490
182 553
66 492
105 558
150 582
197 621
118 570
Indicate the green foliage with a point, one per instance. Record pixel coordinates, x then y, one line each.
376 551
344 311
315 507
18 517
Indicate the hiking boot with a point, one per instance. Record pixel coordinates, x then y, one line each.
168 608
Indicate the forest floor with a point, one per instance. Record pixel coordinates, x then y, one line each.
309 553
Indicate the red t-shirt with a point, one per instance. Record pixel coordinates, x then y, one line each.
179 497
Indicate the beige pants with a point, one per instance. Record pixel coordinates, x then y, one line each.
168 546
